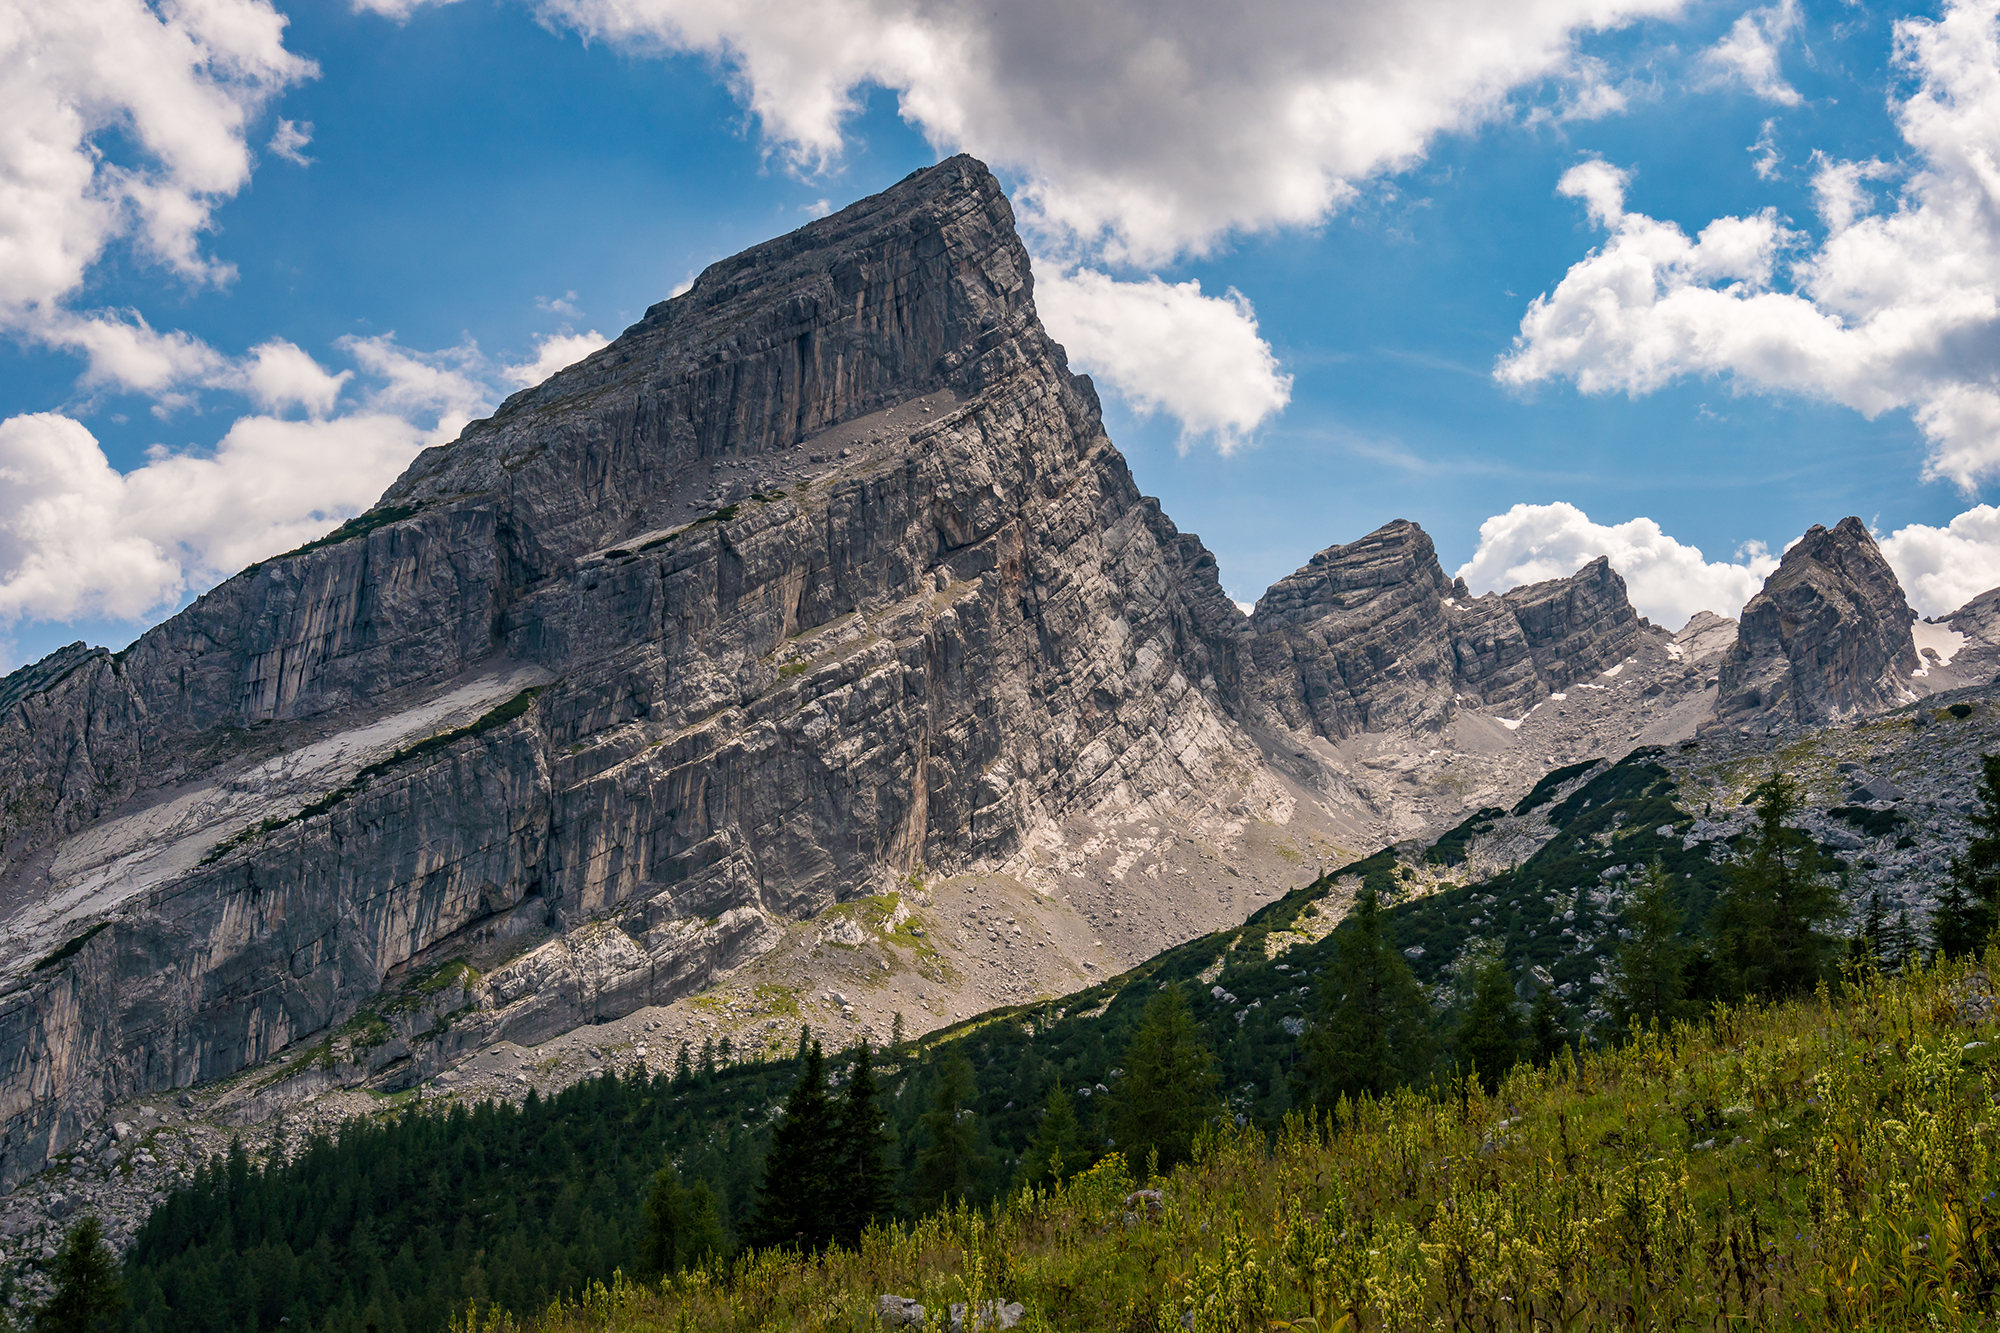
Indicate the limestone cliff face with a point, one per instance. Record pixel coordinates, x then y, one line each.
1372 636
1827 638
825 571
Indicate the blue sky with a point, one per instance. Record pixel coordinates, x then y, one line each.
245 294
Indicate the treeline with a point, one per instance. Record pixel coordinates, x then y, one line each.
397 1223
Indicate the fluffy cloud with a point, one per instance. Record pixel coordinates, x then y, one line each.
1748 53
1893 309
1155 127
78 538
1166 346
178 84
1667 581
553 352
1941 569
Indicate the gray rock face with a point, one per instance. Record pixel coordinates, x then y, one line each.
1372 636
548 682
1827 639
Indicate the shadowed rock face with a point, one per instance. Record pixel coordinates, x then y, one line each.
822 572
1828 638
1372 636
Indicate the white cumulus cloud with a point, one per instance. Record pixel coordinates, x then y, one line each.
177 84
1895 308
1153 126
1748 53
1941 569
79 538
553 352
1667 580
1166 346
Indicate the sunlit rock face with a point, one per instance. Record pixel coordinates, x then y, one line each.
1827 639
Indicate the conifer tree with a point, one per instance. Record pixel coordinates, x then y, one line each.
88 1297
682 1230
1969 907
1769 921
1548 1026
1899 941
1489 1035
795 1206
1374 1027
1649 972
683 1070
950 1159
863 1189
1056 1152
707 1058
1169 1088
1869 940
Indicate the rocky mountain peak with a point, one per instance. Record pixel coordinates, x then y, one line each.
1371 636
1827 638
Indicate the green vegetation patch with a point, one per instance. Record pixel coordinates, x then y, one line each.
358 526
1449 850
70 950
496 717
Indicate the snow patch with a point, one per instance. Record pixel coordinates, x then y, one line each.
1940 639
1609 672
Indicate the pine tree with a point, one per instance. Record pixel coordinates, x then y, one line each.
88 1297
707 1058
1869 941
1768 922
950 1160
683 1070
1056 1152
1649 973
1899 941
795 1206
1969 908
1374 1026
1489 1035
1548 1027
1169 1088
682 1230
863 1189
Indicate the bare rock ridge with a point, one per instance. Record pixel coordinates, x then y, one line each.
1371 636
1827 639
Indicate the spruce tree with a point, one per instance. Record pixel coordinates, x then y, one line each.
1056 1152
950 1159
1870 939
796 1203
1169 1088
1769 921
1489 1035
863 1189
88 1297
1374 1027
683 1070
1969 907
1548 1027
707 1059
682 1230
1649 972
1899 941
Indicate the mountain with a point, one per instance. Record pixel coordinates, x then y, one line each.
807 656
1827 639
